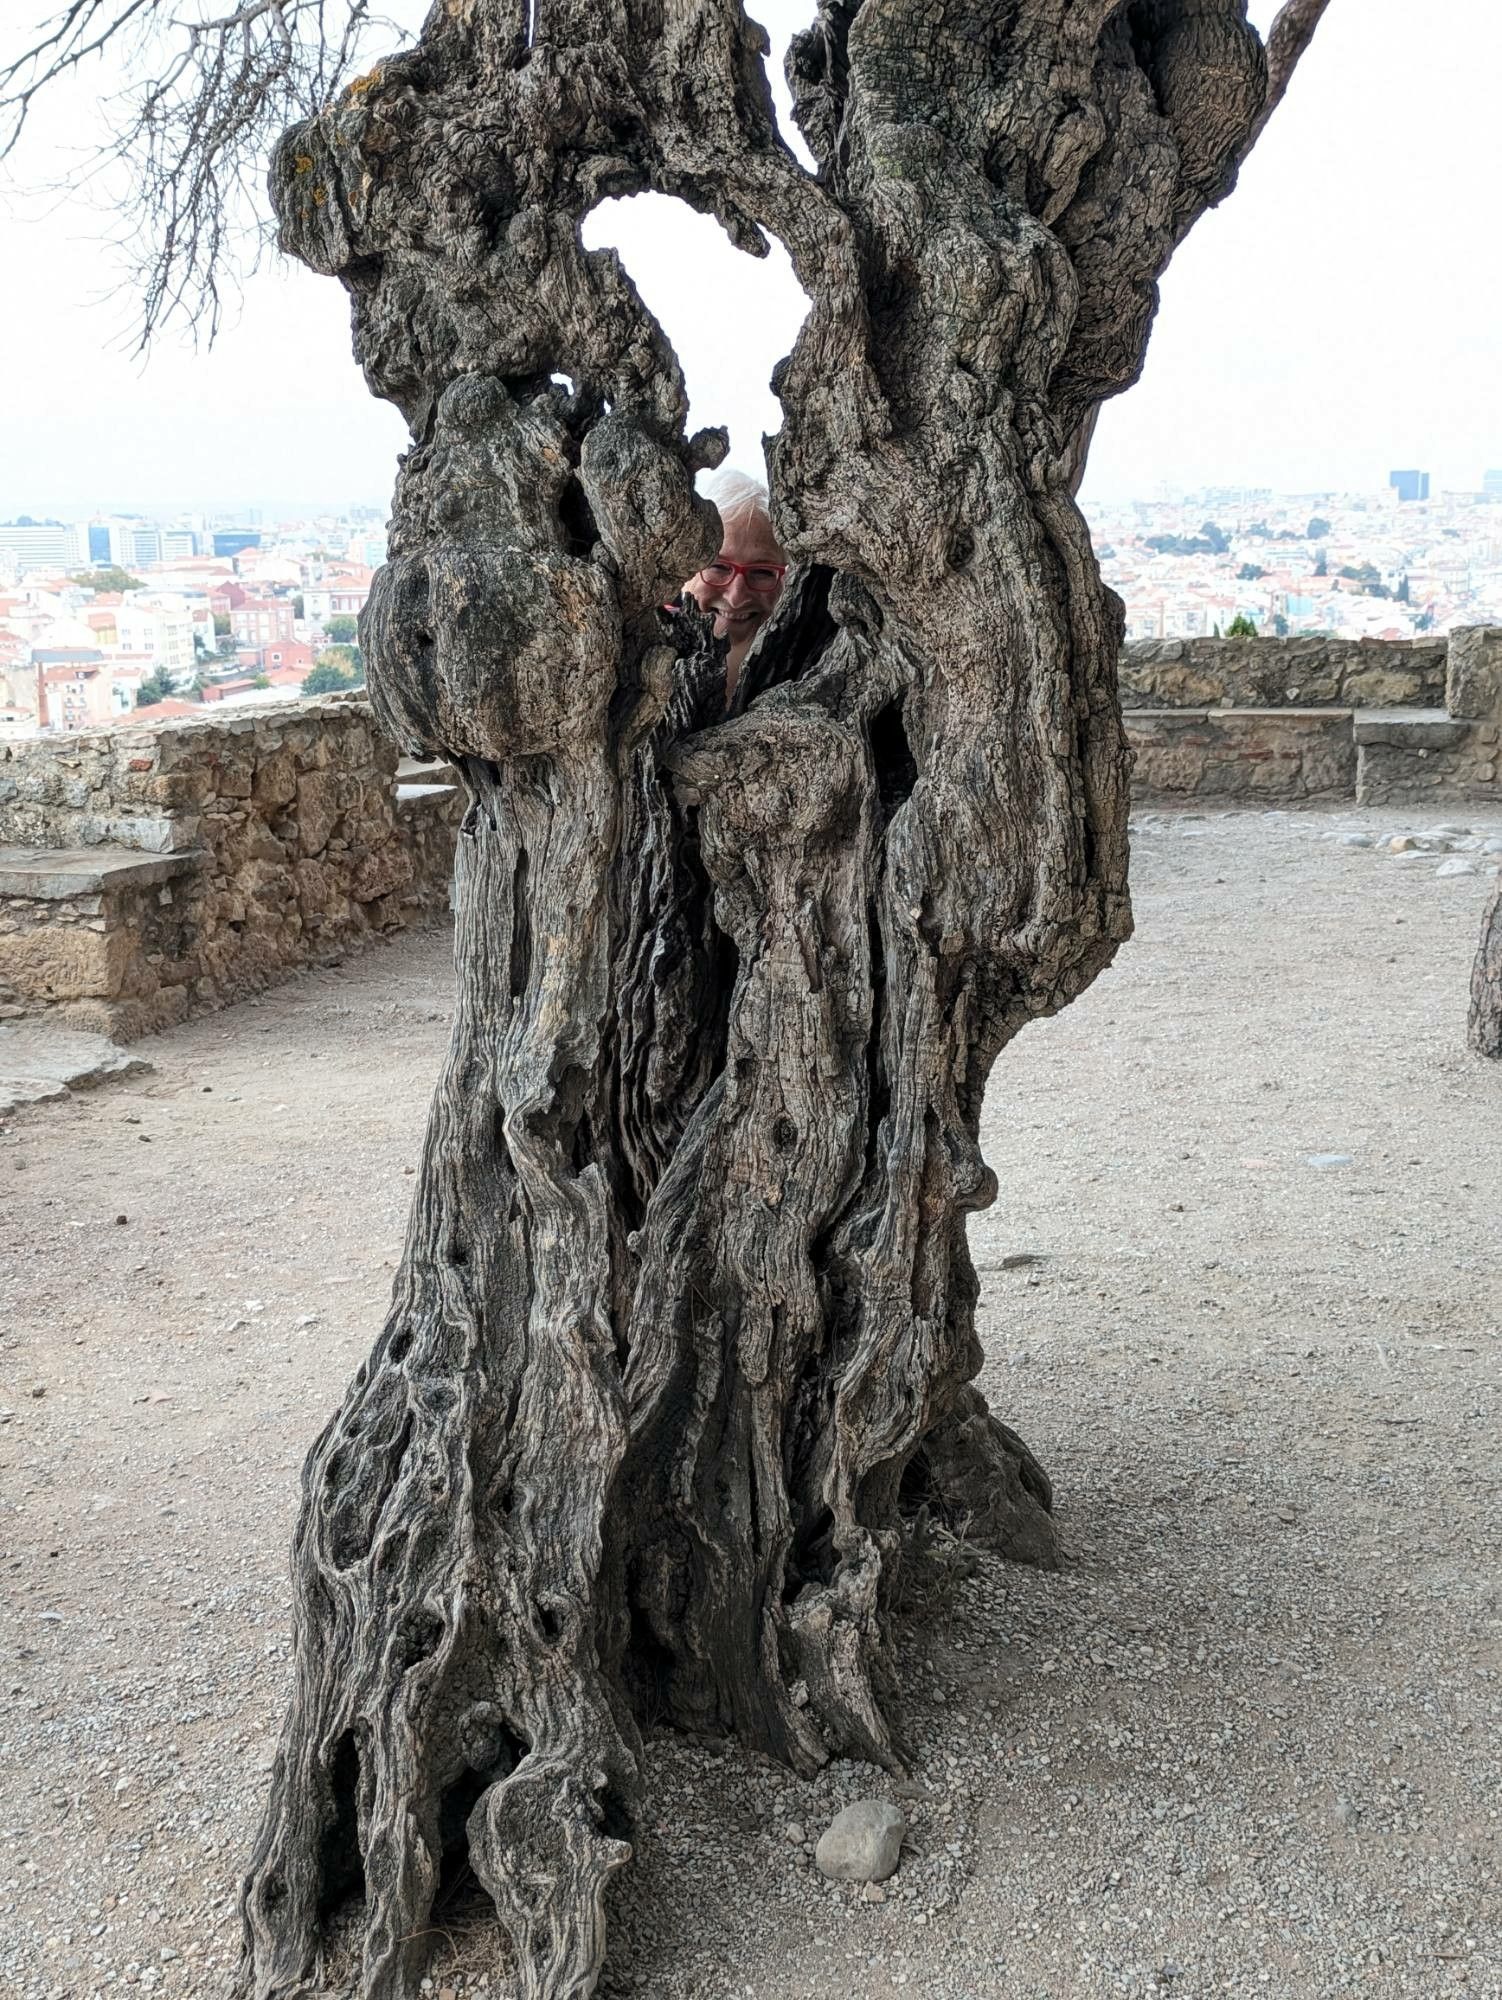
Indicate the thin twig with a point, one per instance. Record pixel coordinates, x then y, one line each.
193 128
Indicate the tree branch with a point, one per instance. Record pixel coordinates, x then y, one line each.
193 126
1290 35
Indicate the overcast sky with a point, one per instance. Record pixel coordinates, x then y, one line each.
1340 315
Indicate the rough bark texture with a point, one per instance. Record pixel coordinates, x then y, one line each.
1485 1025
685 1315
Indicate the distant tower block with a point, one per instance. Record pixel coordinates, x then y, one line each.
1410 485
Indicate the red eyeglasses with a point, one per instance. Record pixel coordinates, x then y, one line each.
759 576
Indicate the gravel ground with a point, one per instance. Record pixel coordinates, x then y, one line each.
1246 1742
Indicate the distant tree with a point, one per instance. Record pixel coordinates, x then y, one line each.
226 648
109 578
1321 564
328 677
1215 632
1368 576
1249 572
1241 627
341 629
1216 537
349 658
222 624
299 608
1280 625
155 687
260 680
1401 593
1318 528
1424 622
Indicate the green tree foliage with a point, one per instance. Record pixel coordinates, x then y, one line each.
1318 528
1249 572
1369 577
1280 625
110 578
330 676
1241 627
350 659
155 687
341 629
222 625
1210 541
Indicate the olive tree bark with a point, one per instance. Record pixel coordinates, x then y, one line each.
1484 1028
685 1315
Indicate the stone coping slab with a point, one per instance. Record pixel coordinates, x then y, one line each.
424 795
40 1062
1411 728
1231 717
52 874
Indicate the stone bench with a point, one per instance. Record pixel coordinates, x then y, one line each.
1375 756
154 871
84 933
1242 753
1405 755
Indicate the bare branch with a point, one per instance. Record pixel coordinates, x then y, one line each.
205 99
1288 38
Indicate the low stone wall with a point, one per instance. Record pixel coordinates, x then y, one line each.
1284 673
1385 723
1243 753
151 872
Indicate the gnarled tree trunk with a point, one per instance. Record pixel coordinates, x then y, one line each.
1484 1029
685 1311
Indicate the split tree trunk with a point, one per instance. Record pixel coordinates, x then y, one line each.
685 1312
1485 1025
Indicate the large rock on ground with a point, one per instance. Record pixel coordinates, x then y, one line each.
862 1844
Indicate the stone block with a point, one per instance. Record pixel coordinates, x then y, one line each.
275 782
384 872
317 809
59 962
63 874
1473 682
1411 728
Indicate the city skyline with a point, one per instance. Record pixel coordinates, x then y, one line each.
1330 322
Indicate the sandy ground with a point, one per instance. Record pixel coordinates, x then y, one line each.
1246 1742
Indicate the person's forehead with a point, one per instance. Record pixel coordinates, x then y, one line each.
750 540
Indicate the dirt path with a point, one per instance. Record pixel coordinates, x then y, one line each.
1245 1743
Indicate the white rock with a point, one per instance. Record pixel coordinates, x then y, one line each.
1456 867
862 1844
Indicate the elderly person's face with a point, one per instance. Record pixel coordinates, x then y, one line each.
740 586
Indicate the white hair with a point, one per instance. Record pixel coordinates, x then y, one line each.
738 496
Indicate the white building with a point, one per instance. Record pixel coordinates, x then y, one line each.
48 547
161 626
